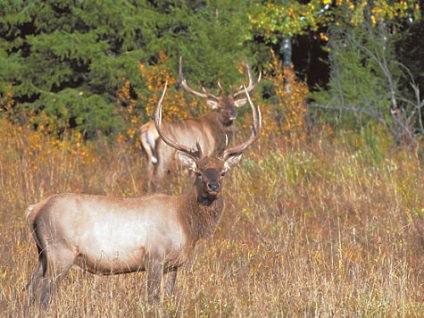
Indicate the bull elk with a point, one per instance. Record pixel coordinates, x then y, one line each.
212 130
155 233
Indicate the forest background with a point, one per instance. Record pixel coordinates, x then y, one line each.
327 219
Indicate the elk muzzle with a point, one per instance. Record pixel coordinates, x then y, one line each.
213 186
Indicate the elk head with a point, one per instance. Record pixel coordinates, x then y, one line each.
225 106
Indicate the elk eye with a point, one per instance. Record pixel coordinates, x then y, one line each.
198 174
222 173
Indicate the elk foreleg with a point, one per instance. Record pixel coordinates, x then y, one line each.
154 279
170 281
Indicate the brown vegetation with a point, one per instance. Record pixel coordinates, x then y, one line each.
325 229
330 226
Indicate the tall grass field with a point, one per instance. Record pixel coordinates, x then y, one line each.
331 227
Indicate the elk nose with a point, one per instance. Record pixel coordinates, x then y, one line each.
214 186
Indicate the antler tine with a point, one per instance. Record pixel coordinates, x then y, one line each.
220 88
158 122
256 130
251 84
182 83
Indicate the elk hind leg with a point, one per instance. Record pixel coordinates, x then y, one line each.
36 282
39 285
54 266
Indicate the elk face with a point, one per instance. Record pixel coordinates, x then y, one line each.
226 107
209 173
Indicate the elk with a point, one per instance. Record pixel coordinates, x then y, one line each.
155 233
212 130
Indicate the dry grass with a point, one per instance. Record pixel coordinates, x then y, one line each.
325 230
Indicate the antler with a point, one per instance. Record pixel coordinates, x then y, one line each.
158 121
256 130
182 83
251 84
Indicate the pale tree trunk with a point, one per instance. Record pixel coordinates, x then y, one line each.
286 49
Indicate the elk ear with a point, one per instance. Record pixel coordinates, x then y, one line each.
240 102
187 161
212 103
232 161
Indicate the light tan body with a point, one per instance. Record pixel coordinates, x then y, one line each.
107 235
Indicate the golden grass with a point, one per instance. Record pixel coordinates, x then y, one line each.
326 229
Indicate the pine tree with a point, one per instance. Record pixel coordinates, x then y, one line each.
63 62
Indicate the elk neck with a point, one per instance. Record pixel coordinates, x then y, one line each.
216 120
221 131
202 214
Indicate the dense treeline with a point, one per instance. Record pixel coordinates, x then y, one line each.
79 64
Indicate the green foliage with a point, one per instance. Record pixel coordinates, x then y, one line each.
289 17
211 38
64 60
67 60
363 77
63 64
356 84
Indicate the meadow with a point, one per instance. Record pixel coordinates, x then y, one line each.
330 227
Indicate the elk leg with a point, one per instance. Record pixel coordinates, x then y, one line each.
154 279
58 262
170 281
45 291
151 171
36 278
39 284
